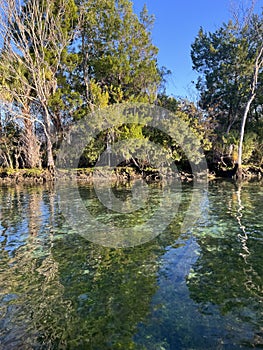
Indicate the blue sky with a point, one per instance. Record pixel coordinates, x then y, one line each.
176 26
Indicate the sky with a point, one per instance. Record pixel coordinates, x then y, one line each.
177 23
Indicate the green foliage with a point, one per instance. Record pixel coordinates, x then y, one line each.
117 52
224 64
249 146
88 55
225 60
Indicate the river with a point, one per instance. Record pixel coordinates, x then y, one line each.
194 286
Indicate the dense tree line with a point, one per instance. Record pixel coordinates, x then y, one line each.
62 60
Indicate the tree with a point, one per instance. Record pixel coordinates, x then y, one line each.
117 53
57 71
219 58
15 100
257 35
36 36
117 63
230 65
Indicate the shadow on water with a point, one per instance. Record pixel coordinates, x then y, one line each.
190 290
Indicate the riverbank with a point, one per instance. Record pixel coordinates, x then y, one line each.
25 176
9 176
85 175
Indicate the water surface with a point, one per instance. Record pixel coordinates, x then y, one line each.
194 289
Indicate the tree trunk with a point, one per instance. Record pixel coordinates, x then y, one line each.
242 132
31 146
50 158
257 66
8 157
47 130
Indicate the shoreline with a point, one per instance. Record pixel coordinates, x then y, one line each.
119 174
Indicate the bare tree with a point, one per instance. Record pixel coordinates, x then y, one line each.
33 36
244 17
242 11
257 66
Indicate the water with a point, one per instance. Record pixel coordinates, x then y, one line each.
199 288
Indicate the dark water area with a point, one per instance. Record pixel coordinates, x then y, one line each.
199 288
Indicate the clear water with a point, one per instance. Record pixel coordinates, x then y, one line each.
197 289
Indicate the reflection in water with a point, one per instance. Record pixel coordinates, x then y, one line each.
253 285
29 279
228 272
242 236
192 290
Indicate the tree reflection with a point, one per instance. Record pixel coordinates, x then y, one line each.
29 279
228 272
110 290
61 291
